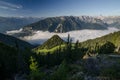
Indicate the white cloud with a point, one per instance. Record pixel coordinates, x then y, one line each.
14 31
39 37
9 6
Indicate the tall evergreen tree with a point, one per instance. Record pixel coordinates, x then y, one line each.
35 73
68 51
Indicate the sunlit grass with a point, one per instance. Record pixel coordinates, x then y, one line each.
45 51
49 50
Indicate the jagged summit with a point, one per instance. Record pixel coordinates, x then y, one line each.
67 23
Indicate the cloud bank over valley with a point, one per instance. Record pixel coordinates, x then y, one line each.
82 35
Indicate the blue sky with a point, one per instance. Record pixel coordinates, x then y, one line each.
49 8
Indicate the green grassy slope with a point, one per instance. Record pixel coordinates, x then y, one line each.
48 50
50 45
112 37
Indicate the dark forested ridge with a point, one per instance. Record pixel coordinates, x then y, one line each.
8 58
12 41
13 61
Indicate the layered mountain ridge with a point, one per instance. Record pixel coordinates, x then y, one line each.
13 23
63 24
14 42
66 23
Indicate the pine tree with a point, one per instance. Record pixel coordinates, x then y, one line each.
35 74
34 65
76 45
68 51
68 39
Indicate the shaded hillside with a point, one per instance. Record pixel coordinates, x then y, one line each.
66 23
12 41
12 23
8 58
52 42
113 37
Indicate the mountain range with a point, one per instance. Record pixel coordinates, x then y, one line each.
13 23
69 23
66 23
112 21
63 24
59 24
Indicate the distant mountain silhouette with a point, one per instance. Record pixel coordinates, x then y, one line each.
12 23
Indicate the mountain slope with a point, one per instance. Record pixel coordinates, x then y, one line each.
113 37
8 61
50 43
12 41
112 21
66 23
12 23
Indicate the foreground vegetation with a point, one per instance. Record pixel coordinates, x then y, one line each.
87 60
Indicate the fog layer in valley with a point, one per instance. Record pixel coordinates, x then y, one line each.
82 35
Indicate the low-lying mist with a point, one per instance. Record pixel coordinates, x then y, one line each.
82 35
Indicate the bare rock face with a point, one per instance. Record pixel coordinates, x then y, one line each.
59 28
